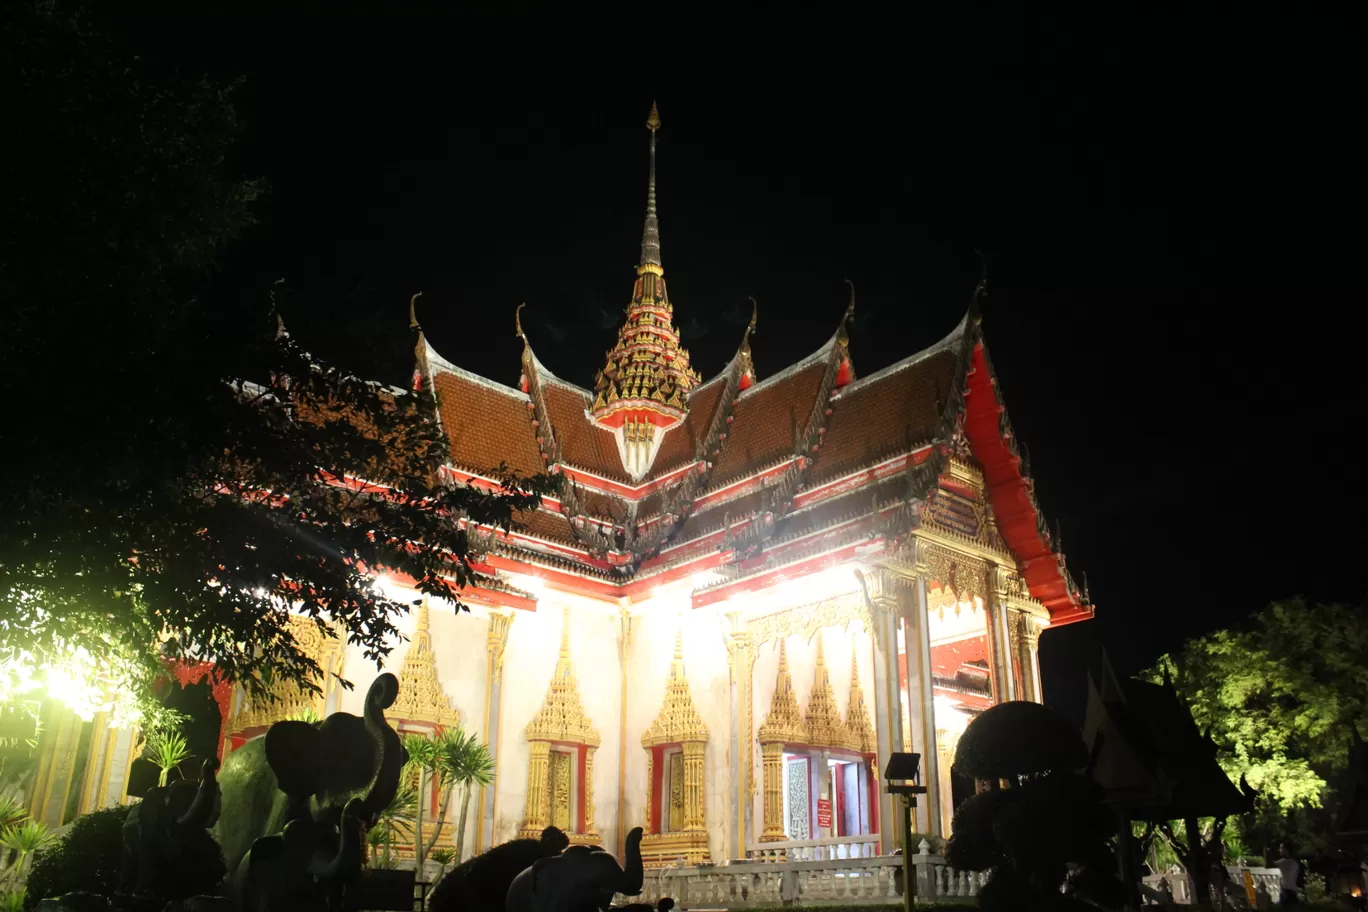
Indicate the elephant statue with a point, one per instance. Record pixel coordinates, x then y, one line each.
580 879
310 772
167 853
480 884
307 867
74 902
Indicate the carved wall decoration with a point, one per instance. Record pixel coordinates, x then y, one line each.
967 577
290 700
799 811
805 620
561 720
676 819
421 698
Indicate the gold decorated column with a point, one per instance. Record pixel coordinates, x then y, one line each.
538 793
588 787
496 641
772 755
694 808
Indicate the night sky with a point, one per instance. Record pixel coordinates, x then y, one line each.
1170 209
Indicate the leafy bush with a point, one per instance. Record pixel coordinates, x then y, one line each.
86 859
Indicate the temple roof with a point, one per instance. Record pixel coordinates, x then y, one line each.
758 478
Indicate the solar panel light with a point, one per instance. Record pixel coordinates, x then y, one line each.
903 774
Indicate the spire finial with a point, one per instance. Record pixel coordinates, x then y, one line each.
565 637
821 655
679 643
650 235
413 312
854 665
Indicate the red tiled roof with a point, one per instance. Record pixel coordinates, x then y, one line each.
680 444
884 416
581 443
700 524
485 426
768 421
596 505
546 526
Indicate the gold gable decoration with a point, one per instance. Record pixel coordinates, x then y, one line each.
678 721
784 724
292 701
824 725
562 717
421 698
859 730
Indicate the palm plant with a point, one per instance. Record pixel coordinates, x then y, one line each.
423 758
167 751
12 900
21 840
399 810
441 855
466 764
11 811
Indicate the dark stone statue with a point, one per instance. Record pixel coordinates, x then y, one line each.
580 879
167 853
311 772
480 884
300 800
74 902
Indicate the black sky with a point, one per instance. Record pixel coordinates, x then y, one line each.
1171 209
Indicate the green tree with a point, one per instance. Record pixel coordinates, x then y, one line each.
468 765
180 477
1281 696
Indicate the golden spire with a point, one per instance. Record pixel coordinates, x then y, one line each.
650 235
421 698
823 719
859 729
562 716
565 641
784 724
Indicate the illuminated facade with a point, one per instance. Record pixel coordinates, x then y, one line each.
750 591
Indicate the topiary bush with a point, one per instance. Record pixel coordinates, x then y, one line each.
1016 739
1044 840
85 860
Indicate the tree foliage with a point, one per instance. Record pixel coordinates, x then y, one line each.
153 496
1281 697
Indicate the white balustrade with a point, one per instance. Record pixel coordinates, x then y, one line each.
833 847
831 881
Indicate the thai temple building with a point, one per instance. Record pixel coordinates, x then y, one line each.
749 592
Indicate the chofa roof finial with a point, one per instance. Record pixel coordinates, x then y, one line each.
413 312
517 322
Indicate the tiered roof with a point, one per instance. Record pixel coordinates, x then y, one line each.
757 480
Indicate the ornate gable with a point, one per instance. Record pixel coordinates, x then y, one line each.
678 721
859 730
562 717
784 724
421 698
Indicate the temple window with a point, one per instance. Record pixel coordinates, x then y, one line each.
560 773
675 744
422 709
816 763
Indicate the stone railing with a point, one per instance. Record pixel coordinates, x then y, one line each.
864 881
864 846
1267 882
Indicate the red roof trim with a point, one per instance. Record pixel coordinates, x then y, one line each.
633 492
1017 517
799 569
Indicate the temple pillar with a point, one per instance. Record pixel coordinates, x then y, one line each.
1031 637
741 663
887 700
496 640
913 603
999 649
587 789
772 756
